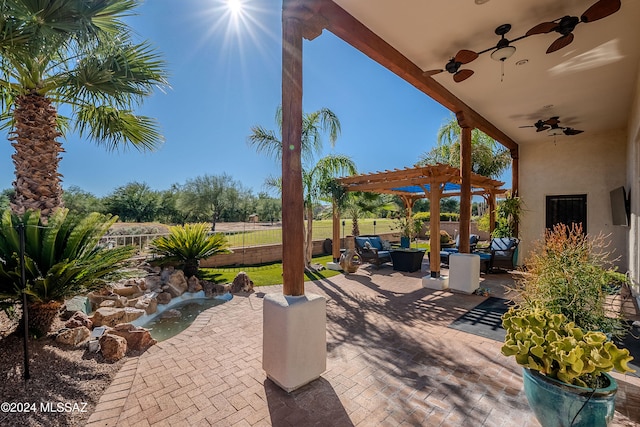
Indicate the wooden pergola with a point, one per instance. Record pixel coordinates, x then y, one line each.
432 182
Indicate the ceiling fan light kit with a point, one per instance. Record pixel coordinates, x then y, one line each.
503 53
553 128
503 49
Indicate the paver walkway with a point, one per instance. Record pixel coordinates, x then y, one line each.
392 361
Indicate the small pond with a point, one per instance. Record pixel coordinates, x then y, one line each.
165 328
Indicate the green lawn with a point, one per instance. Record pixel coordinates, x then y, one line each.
263 275
322 229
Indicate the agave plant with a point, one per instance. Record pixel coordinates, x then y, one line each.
62 259
189 244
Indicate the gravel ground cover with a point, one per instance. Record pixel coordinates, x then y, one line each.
65 383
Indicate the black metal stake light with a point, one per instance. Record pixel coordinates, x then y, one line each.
343 230
374 226
25 311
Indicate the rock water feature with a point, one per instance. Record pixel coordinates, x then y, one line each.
121 309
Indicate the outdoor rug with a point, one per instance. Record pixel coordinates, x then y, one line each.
484 320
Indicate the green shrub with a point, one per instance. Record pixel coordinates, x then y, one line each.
422 216
566 274
449 216
189 244
548 343
62 259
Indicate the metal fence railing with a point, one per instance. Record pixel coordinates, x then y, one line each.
249 235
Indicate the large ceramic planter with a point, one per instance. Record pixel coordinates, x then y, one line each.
555 403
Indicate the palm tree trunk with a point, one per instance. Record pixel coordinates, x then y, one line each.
308 249
36 157
42 316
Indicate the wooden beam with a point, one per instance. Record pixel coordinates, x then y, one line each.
292 193
352 31
465 189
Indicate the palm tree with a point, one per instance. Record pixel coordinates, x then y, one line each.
487 156
316 177
315 182
79 54
358 204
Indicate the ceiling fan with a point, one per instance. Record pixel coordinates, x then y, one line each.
565 25
501 51
553 128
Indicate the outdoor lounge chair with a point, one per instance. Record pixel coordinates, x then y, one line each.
370 250
504 251
445 252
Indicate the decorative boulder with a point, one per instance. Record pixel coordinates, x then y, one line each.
193 284
211 289
74 336
163 298
75 304
153 283
242 283
106 316
177 284
113 347
108 303
126 290
79 319
171 314
148 303
138 339
96 298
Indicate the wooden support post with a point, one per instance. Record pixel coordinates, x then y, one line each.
292 193
491 200
335 247
465 190
515 173
434 231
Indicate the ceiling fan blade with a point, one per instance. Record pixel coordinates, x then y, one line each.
542 128
571 131
432 72
465 56
462 75
552 121
531 126
600 9
560 43
544 28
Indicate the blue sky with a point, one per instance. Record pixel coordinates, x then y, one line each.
225 76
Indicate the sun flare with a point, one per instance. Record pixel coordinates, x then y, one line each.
235 6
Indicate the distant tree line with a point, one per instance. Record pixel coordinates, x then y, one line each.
208 198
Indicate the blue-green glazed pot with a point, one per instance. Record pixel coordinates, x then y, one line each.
405 242
556 404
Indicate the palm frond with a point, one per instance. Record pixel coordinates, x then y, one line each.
265 142
112 128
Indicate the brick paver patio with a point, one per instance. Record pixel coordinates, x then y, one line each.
392 361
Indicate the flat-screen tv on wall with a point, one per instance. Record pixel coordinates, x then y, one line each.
619 207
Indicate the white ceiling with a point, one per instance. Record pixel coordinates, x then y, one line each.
589 84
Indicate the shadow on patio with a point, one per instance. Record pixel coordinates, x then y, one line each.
392 360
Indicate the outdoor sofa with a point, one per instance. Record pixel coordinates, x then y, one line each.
372 249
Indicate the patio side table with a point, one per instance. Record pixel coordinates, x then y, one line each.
408 260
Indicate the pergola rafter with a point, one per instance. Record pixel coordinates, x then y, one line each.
410 184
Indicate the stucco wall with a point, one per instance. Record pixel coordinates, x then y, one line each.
591 164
